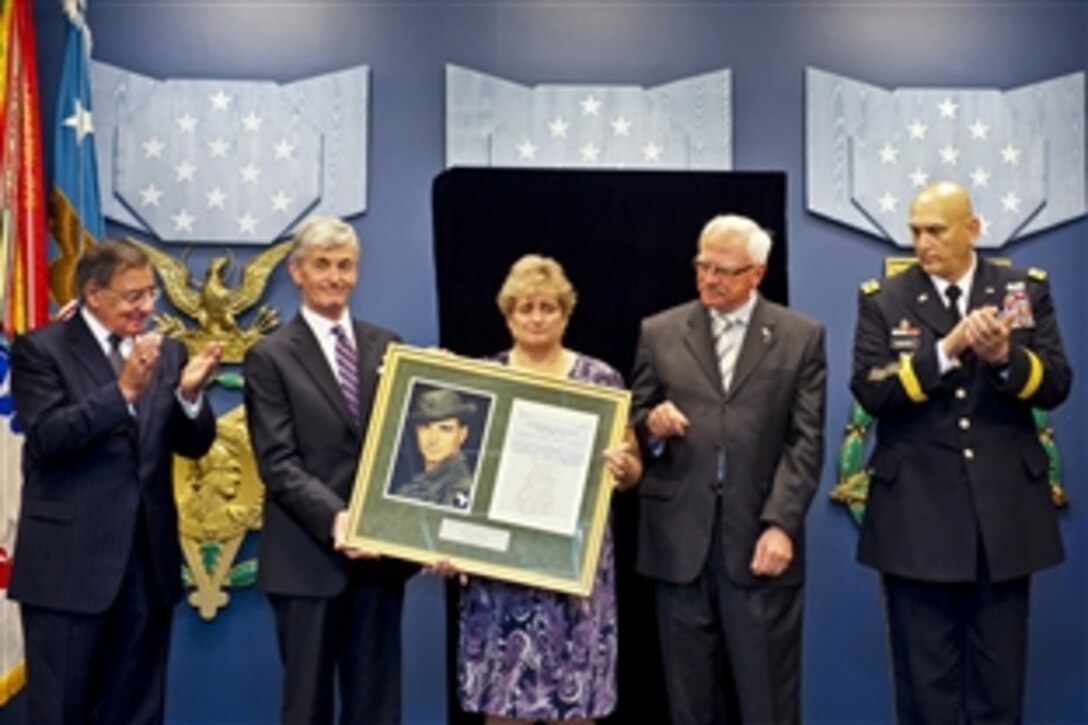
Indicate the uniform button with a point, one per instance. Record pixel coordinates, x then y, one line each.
969 453
961 393
965 423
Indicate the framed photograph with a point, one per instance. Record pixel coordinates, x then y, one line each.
495 469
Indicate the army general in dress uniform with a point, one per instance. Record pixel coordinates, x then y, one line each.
950 357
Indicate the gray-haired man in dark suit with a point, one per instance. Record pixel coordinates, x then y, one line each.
728 399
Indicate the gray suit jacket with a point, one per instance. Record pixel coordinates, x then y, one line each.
764 439
307 446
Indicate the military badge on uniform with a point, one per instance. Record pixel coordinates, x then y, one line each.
1017 306
905 337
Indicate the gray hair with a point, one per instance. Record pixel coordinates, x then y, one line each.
99 263
758 240
322 232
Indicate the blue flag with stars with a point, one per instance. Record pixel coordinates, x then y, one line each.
75 209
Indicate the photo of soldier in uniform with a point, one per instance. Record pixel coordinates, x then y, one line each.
434 465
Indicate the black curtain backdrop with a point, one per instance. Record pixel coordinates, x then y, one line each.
626 240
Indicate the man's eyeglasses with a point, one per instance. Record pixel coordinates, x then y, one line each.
709 268
136 296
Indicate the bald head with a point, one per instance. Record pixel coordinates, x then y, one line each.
951 198
944 229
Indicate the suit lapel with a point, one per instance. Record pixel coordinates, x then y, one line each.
926 302
985 289
307 349
87 351
700 342
758 339
370 353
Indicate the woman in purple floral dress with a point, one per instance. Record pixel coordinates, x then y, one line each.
529 654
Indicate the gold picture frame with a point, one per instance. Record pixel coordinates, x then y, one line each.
524 498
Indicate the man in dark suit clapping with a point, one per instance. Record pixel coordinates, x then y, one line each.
106 406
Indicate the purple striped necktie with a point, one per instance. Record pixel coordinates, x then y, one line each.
347 369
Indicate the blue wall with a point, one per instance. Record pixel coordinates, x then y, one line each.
227 671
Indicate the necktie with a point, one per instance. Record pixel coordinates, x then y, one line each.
347 369
725 346
953 294
114 355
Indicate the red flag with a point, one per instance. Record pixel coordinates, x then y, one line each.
22 198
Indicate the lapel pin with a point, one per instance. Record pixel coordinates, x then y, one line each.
766 332
923 297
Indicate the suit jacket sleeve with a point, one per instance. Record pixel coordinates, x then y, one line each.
281 463
797 475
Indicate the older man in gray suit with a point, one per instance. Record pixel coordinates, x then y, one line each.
729 397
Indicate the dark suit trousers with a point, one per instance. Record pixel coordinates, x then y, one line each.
711 629
352 640
958 650
102 668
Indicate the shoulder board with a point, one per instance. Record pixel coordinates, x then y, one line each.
870 287
1039 275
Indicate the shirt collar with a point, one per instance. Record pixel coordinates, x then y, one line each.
740 316
322 326
100 332
964 282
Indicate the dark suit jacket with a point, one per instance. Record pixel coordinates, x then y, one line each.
957 459
768 430
307 446
89 465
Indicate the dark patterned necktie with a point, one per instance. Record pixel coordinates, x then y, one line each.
117 362
347 369
953 294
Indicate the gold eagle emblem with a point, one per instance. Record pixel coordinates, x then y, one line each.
214 304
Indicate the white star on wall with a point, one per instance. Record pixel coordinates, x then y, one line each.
589 152
218 147
948 108
186 123
1010 203
216 198
980 178
247 224
918 178
526 150
220 101
979 130
150 196
651 152
558 128
183 221
81 121
917 130
590 106
184 171
280 201
251 122
153 148
1010 155
250 174
283 149
621 126
949 155
888 203
889 154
